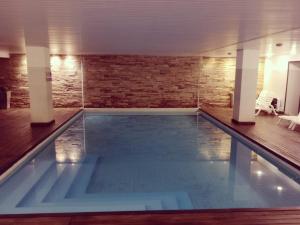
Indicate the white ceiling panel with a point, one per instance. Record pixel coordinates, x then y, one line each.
150 27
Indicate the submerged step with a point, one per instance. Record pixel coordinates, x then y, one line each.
74 208
22 183
149 204
83 177
42 188
169 200
62 185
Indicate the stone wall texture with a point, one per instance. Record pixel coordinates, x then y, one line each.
217 78
66 81
13 76
129 81
140 81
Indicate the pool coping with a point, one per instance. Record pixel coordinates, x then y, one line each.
37 146
153 212
266 148
138 111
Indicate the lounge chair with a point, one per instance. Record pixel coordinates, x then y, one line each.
264 103
295 122
288 118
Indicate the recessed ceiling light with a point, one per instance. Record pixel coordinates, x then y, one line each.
279 44
279 188
259 173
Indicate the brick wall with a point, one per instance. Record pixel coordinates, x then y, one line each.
13 77
217 80
67 81
140 81
66 84
129 81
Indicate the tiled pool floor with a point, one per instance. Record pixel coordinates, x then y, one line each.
136 163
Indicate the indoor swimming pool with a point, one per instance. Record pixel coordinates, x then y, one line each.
104 163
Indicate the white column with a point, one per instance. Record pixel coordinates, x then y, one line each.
40 86
245 86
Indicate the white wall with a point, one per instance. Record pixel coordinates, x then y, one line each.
275 78
293 90
275 75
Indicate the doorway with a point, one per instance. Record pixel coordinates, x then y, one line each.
292 101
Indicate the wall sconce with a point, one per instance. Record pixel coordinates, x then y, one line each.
294 49
69 63
55 62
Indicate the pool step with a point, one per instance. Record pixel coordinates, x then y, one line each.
43 186
60 208
26 180
58 177
63 183
83 177
170 200
125 204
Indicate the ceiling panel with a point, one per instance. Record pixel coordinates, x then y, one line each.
153 27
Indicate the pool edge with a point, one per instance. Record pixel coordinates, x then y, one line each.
64 126
266 148
35 148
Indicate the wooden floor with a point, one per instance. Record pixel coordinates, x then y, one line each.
17 137
220 217
278 139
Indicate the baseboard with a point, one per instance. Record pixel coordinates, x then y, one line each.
142 111
37 124
242 123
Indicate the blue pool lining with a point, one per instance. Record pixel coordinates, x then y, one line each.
142 111
92 111
32 153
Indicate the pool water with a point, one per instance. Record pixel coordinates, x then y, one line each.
136 163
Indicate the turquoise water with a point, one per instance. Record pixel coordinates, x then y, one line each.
134 163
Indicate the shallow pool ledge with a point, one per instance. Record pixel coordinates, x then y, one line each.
143 111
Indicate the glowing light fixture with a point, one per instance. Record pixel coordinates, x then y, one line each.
55 62
259 173
269 51
60 158
294 49
69 63
279 188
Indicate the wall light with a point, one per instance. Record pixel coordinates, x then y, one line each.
269 51
279 188
69 63
259 173
55 62
60 158
294 49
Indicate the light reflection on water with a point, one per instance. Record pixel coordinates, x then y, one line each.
138 157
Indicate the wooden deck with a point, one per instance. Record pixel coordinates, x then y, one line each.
277 139
208 217
17 137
